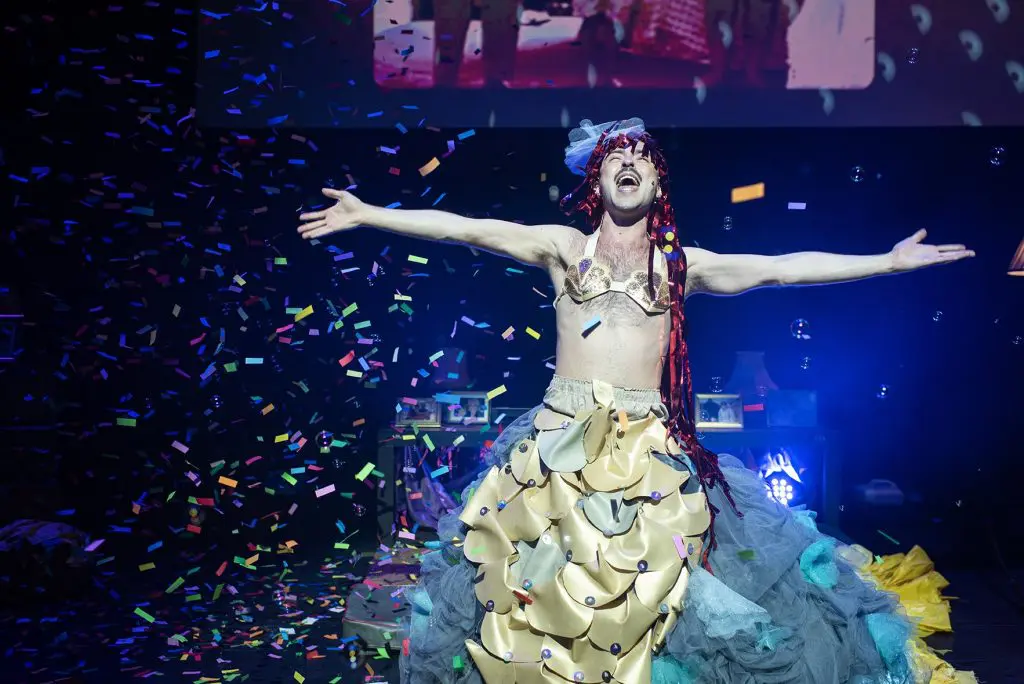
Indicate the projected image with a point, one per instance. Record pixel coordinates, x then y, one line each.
624 43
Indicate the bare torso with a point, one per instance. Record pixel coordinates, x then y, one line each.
628 347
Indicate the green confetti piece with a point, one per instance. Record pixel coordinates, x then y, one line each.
144 615
457 663
231 367
746 554
288 478
280 261
349 309
428 442
127 422
174 585
367 469
888 537
216 592
417 259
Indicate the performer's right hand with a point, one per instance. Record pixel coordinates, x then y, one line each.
344 215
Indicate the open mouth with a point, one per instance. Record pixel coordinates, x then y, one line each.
628 181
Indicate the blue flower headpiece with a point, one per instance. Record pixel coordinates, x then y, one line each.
584 138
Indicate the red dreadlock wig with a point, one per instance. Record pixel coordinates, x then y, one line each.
662 233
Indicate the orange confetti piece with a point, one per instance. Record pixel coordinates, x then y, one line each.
747 193
429 166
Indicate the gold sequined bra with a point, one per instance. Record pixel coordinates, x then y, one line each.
590 278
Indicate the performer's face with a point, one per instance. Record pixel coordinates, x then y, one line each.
628 181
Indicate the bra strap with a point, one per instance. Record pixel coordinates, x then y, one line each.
591 247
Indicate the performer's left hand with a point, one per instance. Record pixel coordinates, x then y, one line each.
911 254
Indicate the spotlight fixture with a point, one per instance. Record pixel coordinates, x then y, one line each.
781 490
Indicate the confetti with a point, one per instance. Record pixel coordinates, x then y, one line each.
747 193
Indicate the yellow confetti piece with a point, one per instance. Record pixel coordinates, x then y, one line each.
367 469
305 312
426 440
228 482
348 310
239 280
354 373
299 678
532 333
496 392
251 560
417 259
281 438
146 566
747 193
429 166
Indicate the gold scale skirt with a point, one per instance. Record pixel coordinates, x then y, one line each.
585 540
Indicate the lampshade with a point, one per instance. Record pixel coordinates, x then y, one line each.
1017 263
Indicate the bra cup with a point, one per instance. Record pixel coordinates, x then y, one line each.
596 280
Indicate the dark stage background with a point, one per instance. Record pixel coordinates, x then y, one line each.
155 261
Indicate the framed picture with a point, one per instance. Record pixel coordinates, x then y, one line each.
719 412
473 408
424 413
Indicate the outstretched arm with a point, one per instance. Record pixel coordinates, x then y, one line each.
732 274
532 245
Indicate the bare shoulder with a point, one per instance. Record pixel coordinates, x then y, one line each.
567 241
695 256
697 261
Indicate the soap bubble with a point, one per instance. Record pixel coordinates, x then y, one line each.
805 363
727 223
359 509
1018 340
716 384
216 401
913 54
937 316
324 439
857 174
554 194
800 329
883 391
996 155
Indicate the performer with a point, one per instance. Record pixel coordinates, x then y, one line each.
604 533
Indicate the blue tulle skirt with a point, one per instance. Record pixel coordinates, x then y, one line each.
781 607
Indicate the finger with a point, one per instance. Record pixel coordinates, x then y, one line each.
332 193
319 232
952 248
307 228
919 235
313 215
948 257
